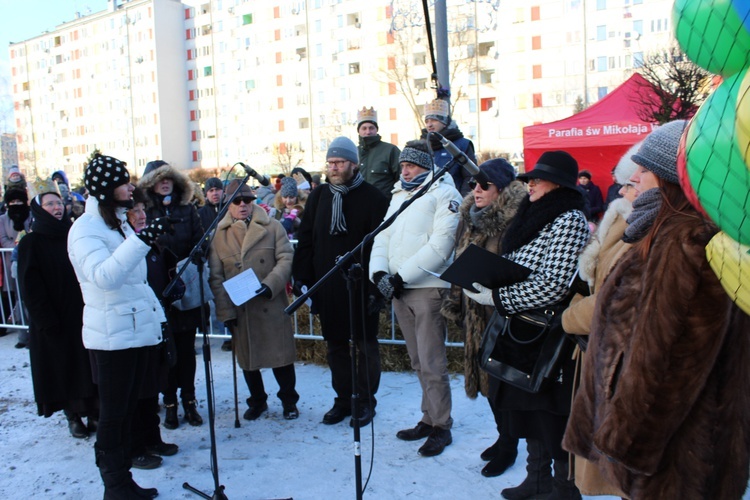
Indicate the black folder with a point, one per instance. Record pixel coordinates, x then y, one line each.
477 265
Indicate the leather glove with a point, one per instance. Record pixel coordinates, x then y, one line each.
374 304
197 258
150 233
484 296
264 291
297 288
231 324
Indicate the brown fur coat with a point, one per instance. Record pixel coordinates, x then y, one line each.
459 308
664 407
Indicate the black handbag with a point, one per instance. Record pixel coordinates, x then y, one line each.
524 349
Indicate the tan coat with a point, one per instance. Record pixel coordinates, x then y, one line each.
264 337
596 261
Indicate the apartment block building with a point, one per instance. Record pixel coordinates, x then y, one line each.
207 83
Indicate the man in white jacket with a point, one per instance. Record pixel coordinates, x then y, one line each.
421 239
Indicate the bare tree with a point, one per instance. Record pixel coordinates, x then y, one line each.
409 31
287 156
679 86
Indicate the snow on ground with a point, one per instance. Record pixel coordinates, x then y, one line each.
266 459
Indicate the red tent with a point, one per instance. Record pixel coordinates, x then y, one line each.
598 136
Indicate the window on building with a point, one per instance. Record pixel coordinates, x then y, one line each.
281 125
535 15
354 68
601 63
279 81
536 71
280 102
391 88
601 33
601 92
249 84
611 62
247 19
536 42
601 4
419 60
207 71
486 75
536 100
420 83
472 105
638 27
193 135
637 59
487 103
301 53
304 123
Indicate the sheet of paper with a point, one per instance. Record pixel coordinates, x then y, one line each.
242 287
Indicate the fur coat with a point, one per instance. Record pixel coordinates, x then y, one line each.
594 264
663 408
459 308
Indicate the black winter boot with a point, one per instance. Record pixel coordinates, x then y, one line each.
191 413
75 425
564 488
170 416
538 482
115 474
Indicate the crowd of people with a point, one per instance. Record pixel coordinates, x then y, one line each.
644 398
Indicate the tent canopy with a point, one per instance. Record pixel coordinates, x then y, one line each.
598 136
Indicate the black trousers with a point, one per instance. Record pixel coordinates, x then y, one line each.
182 325
145 430
119 376
368 370
285 377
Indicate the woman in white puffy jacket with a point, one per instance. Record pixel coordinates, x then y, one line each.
121 318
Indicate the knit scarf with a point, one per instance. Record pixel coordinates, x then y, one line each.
645 208
476 214
415 182
338 222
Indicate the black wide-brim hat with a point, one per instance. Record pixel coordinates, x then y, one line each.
554 166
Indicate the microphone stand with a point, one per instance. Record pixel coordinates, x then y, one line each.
353 274
199 250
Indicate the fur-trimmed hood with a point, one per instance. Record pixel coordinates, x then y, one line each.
497 216
183 189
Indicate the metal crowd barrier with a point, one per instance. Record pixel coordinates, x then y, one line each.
14 314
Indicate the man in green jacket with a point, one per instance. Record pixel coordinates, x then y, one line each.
378 160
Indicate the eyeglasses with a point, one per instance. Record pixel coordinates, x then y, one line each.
337 164
242 199
474 184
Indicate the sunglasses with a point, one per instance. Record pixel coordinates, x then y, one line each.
484 186
246 199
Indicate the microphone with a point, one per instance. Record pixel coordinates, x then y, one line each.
463 160
263 179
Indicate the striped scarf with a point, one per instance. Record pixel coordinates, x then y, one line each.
338 222
415 182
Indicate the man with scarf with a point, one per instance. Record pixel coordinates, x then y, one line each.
437 119
338 215
405 255
378 160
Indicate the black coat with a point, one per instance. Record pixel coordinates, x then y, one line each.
208 213
60 367
364 209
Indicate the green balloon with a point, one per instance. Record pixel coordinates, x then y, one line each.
715 165
712 35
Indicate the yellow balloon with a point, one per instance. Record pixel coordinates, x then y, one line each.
743 119
730 262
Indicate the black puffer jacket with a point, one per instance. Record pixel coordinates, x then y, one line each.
187 230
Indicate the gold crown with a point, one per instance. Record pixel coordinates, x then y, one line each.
43 186
366 115
438 107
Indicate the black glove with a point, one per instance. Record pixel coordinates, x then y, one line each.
389 285
297 288
264 291
150 233
197 258
374 304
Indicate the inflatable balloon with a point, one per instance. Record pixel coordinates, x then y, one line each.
682 174
715 34
730 262
743 116
715 167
